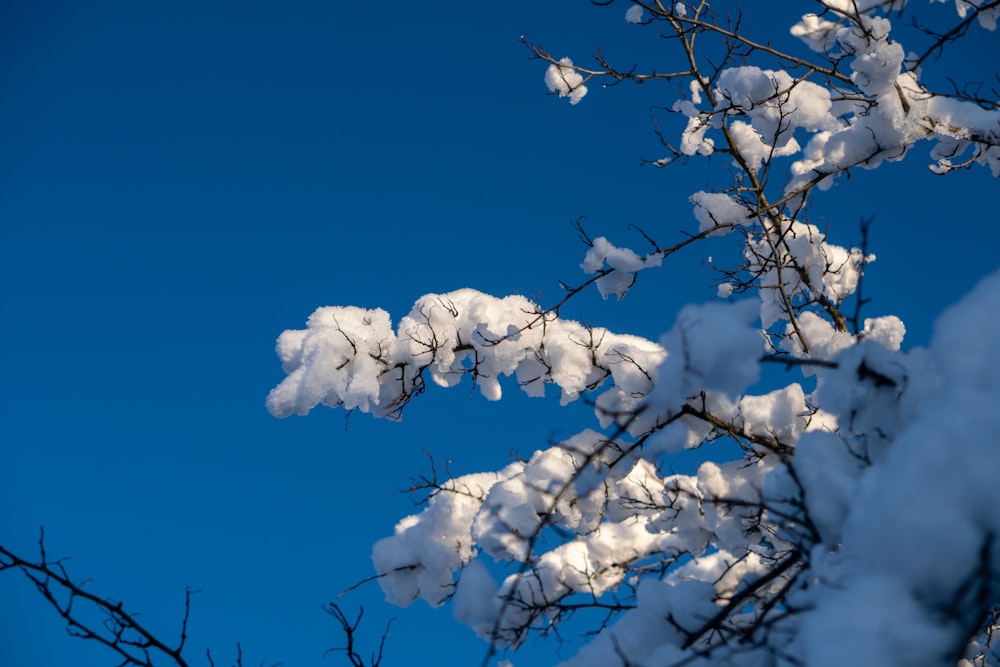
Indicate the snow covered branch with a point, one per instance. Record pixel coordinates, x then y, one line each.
351 357
852 518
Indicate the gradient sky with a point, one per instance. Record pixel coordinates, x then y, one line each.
179 183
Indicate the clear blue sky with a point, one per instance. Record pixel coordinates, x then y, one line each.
179 183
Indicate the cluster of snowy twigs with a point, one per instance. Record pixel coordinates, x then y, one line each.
857 526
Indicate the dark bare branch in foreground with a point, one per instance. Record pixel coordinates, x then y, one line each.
350 630
120 630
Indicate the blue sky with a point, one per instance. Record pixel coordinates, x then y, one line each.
178 184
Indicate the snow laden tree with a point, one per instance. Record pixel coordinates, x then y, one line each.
858 522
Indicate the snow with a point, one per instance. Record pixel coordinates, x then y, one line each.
781 413
712 347
351 357
565 81
752 147
805 265
332 362
622 265
416 561
719 211
884 623
930 501
477 585
775 103
620 259
826 466
634 14
818 33
693 140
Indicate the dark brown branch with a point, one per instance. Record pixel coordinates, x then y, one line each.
350 630
121 631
